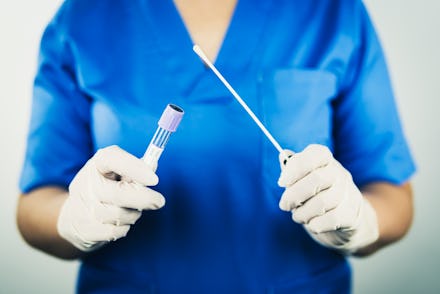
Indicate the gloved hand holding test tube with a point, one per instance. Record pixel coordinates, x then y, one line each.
112 189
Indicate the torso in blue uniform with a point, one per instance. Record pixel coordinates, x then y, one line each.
313 71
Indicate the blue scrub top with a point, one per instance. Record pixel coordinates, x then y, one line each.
313 71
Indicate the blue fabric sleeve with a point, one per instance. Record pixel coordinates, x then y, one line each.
369 140
59 140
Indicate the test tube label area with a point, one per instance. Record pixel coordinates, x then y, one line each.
152 155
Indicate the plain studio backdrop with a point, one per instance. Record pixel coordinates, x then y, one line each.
409 31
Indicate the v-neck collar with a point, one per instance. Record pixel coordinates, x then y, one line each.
235 53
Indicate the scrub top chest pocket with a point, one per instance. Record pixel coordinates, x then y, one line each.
297 106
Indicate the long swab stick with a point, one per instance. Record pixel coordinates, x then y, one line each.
202 55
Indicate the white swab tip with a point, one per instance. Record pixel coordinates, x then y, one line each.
200 53
196 49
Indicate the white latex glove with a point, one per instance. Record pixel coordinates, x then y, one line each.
107 196
322 196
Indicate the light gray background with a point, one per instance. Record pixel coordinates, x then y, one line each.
409 30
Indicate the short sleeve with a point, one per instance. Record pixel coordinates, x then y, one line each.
369 140
59 140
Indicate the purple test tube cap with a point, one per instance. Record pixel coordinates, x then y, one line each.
171 117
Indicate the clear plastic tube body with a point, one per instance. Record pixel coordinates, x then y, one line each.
168 123
160 138
156 147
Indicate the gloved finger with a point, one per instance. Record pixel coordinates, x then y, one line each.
129 195
307 187
335 219
332 239
318 205
113 159
328 222
111 214
284 156
302 163
97 232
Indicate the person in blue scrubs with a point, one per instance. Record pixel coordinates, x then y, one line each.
312 71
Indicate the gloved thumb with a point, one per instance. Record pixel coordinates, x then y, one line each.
284 156
113 159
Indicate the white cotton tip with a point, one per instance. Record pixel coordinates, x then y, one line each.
202 55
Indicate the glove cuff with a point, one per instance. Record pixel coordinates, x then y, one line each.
365 233
68 232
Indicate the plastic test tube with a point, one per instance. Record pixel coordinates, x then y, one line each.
168 122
